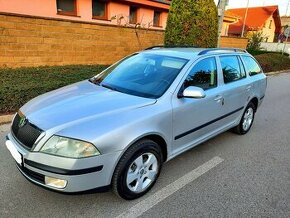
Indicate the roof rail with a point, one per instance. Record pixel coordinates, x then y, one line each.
170 46
222 49
154 47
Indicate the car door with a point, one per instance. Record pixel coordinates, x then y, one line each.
235 87
196 119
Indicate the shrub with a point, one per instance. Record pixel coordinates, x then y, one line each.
192 23
17 86
273 62
255 40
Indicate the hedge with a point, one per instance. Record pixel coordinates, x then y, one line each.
192 23
273 62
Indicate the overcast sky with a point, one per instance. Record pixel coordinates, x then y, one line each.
243 3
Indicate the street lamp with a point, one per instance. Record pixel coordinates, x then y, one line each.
245 18
287 8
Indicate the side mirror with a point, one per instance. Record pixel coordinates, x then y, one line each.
193 92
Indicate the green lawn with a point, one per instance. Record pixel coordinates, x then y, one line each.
17 86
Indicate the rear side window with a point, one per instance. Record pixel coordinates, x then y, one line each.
251 66
232 68
203 74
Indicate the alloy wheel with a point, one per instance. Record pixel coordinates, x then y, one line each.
142 172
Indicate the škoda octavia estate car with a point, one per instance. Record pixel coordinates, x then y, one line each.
118 128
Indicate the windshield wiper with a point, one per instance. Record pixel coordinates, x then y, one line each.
94 81
109 87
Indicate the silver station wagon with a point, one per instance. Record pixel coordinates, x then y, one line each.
116 129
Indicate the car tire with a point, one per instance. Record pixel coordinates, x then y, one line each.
137 170
246 121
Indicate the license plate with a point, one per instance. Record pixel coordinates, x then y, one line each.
15 154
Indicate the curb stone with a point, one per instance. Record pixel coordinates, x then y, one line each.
8 118
277 72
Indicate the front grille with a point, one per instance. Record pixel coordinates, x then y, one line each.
27 134
33 175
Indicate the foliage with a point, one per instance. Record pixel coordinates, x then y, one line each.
255 40
192 23
273 62
17 86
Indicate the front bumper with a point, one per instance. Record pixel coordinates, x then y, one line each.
81 174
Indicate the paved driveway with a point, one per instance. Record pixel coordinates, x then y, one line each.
228 176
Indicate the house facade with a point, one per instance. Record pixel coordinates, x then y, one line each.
264 19
144 13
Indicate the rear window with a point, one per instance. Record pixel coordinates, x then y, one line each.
232 68
251 66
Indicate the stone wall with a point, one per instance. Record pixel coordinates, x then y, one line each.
28 41
33 41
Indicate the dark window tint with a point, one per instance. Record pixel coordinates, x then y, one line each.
203 74
133 15
232 68
156 20
251 66
99 9
66 7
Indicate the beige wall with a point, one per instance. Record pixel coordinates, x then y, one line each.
225 29
269 31
30 41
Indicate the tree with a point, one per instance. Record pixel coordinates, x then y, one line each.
192 23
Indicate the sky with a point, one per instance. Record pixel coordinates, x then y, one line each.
243 3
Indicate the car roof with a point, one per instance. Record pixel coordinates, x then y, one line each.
191 52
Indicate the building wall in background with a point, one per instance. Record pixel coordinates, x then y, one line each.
48 8
269 30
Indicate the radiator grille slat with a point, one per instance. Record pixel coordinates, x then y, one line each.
26 134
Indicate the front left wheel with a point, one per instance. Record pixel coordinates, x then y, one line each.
137 170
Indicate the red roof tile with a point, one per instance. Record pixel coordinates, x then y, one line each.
256 18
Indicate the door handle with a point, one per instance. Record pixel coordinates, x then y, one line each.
218 98
248 88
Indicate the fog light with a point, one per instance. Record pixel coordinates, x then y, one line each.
56 183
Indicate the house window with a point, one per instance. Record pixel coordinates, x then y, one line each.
133 15
270 24
156 19
99 9
67 7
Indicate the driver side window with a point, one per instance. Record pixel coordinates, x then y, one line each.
203 75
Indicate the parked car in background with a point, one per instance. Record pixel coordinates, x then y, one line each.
118 128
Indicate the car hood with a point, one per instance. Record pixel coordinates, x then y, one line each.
78 102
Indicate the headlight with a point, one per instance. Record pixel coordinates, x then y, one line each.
67 147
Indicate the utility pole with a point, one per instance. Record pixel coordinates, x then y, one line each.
221 13
287 8
245 18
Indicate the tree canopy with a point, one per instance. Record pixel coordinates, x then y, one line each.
192 23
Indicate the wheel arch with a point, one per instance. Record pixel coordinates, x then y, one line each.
159 139
255 101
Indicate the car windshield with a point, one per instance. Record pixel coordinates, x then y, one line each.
144 75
